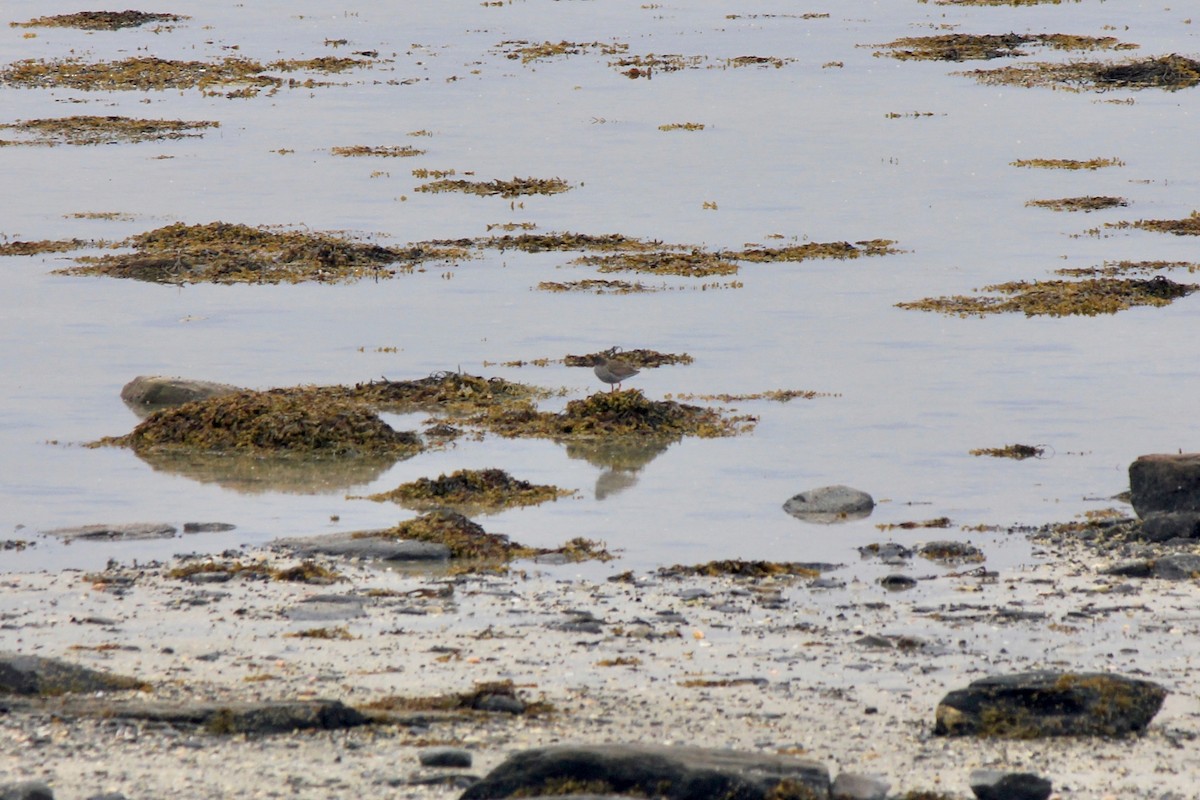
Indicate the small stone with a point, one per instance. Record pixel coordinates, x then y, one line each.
445 757
994 785
897 583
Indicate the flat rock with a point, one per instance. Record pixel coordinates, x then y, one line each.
34 675
26 790
676 773
245 717
829 504
148 393
364 544
1045 703
327 607
1165 482
1173 567
990 784
851 786
445 757
132 531
1162 526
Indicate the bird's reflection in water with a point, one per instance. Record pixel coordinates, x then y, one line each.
620 460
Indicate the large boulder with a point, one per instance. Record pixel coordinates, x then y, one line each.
1165 482
1034 704
677 773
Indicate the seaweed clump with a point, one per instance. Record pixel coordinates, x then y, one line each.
513 188
747 569
221 252
216 570
1085 204
478 490
970 47
442 392
275 422
1171 73
467 540
1059 298
614 414
1017 451
85 130
99 20
1187 226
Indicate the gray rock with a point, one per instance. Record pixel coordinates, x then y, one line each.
327 607
133 531
499 702
445 757
994 785
207 527
1162 526
897 583
1046 703
238 717
886 551
364 544
1165 482
850 786
25 790
676 773
34 675
1173 567
147 393
830 504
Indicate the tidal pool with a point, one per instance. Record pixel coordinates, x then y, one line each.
813 138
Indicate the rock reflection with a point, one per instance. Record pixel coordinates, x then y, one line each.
255 474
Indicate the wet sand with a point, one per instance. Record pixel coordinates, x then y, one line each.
770 665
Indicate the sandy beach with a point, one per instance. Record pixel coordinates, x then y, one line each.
835 669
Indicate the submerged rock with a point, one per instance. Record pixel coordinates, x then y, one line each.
830 504
1035 704
679 773
132 531
364 544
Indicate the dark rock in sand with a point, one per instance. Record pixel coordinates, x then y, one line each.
1165 482
1162 526
133 531
34 675
207 527
25 790
850 786
1045 703
897 583
148 393
445 757
990 784
950 552
364 544
1174 567
830 504
327 607
890 552
245 717
676 773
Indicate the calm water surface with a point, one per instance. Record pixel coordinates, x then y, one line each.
805 151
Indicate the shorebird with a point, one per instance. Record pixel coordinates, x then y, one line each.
613 370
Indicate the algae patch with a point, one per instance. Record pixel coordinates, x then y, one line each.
85 130
1171 73
99 20
471 491
1085 204
513 188
1058 298
272 422
1187 226
468 541
1067 163
1014 451
969 47
220 252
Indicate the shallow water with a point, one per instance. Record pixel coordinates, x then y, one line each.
805 151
